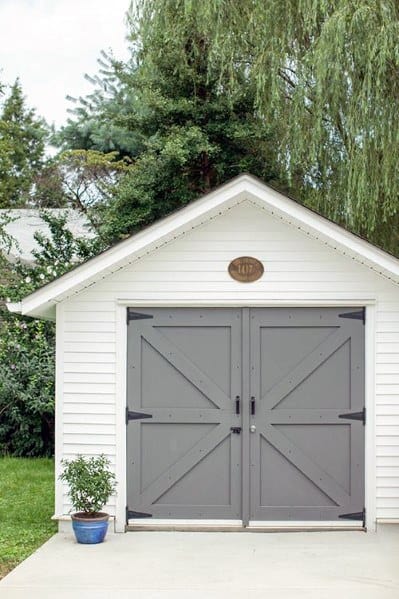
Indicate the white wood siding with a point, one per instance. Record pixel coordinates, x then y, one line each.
193 267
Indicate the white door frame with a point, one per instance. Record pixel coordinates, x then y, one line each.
121 371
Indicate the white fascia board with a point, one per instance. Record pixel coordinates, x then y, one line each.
380 261
15 307
48 313
157 234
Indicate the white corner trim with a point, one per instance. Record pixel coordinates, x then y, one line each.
370 428
120 424
59 405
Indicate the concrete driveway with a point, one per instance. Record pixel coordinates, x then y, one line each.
144 565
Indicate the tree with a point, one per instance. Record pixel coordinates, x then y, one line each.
168 113
326 75
22 148
84 180
100 121
88 177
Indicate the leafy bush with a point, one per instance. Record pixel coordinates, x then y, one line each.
26 386
27 346
90 482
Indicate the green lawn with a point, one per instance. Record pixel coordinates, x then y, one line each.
26 506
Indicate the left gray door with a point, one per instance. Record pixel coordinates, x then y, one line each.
184 371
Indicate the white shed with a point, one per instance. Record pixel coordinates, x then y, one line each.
238 362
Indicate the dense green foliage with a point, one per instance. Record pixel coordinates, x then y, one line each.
22 146
325 76
27 345
26 387
80 179
90 482
26 507
168 113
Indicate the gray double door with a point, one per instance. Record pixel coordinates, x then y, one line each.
245 414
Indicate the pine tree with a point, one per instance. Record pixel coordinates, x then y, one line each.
168 113
22 147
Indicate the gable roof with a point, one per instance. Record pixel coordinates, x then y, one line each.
41 303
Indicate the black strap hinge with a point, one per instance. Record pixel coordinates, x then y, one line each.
131 315
355 516
132 514
135 415
358 315
355 416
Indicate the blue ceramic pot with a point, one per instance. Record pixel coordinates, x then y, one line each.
90 530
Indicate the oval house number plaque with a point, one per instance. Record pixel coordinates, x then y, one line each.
246 269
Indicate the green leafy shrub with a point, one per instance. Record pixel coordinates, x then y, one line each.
27 346
90 482
26 386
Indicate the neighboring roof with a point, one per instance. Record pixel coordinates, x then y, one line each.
42 302
23 223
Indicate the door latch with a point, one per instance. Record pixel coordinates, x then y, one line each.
236 430
252 405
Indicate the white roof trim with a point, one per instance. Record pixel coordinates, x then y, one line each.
41 302
14 307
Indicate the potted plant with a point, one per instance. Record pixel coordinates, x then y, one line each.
91 484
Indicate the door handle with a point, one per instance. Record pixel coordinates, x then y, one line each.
253 405
252 428
237 404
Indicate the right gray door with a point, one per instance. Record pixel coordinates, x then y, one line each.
306 385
